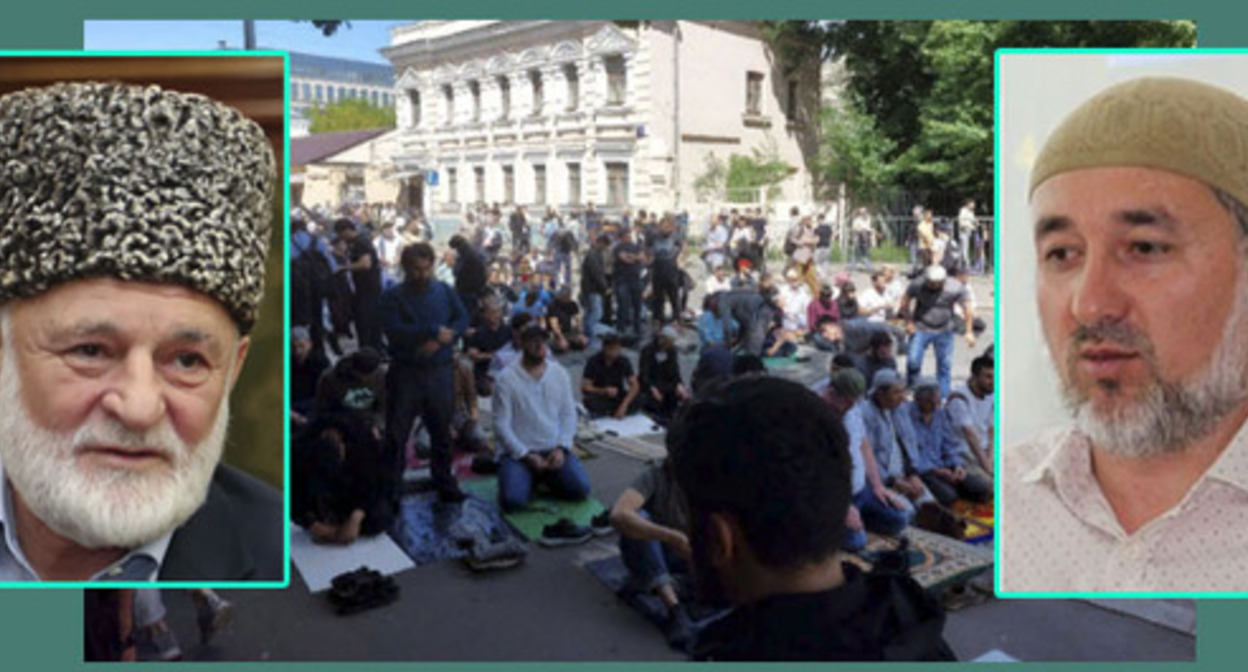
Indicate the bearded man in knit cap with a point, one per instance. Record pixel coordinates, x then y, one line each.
1140 233
134 227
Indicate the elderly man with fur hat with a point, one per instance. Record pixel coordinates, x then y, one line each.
1140 234
134 227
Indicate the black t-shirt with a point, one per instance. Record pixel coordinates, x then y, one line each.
488 340
824 231
563 311
625 270
368 282
616 374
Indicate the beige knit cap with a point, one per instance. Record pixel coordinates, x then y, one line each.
1179 125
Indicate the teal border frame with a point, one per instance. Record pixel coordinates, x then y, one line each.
1002 347
285 195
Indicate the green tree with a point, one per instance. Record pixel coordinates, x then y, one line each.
740 179
926 86
350 115
854 152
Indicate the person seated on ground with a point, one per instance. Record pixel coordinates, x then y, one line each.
892 437
875 508
500 286
307 365
970 408
608 385
718 281
766 472
847 302
487 338
339 485
534 300
937 459
827 336
795 297
534 426
651 518
823 307
781 342
746 277
564 317
662 389
874 302
714 366
878 357
710 326
356 385
510 353
466 432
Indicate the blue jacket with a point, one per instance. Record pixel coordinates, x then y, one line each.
411 317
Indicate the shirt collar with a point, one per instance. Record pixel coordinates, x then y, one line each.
140 564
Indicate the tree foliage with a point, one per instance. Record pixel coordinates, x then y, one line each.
921 92
350 115
328 28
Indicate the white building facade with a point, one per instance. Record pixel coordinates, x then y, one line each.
565 113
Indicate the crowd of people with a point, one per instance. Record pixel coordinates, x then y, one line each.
492 311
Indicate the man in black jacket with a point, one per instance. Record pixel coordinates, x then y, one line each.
765 468
594 285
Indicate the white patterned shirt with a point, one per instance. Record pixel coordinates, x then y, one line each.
1059 533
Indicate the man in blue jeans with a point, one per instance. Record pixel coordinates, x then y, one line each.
928 306
652 519
534 424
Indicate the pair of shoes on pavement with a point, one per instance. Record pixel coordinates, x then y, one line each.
485 555
213 614
565 532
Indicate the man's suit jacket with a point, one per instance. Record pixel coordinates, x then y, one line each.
237 535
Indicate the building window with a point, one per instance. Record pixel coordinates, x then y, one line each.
478 175
342 92
754 93
452 185
448 103
474 88
539 184
790 110
307 91
574 183
413 102
574 86
535 79
617 185
504 97
294 91
320 97
509 184
617 80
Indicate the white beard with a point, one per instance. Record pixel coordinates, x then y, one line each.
101 507
1170 415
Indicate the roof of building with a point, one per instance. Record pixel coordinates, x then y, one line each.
340 69
318 146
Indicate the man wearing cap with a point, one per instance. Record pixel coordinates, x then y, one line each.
535 423
928 306
134 227
1140 230
662 389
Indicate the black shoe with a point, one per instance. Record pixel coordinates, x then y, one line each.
564 533
600 524
679 628
451 494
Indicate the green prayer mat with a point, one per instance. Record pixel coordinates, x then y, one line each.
543 510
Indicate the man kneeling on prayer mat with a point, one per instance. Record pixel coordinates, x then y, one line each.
609 387
534 425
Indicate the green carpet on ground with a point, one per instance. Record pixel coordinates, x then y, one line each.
542 510
780 362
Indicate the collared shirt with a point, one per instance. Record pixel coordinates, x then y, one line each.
857 432
140 564
533 415
936 446
892 438
1059 533
967 409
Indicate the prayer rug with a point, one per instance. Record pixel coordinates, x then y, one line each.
542 510
429 531
936 562
612 574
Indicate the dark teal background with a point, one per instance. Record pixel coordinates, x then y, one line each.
42 629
